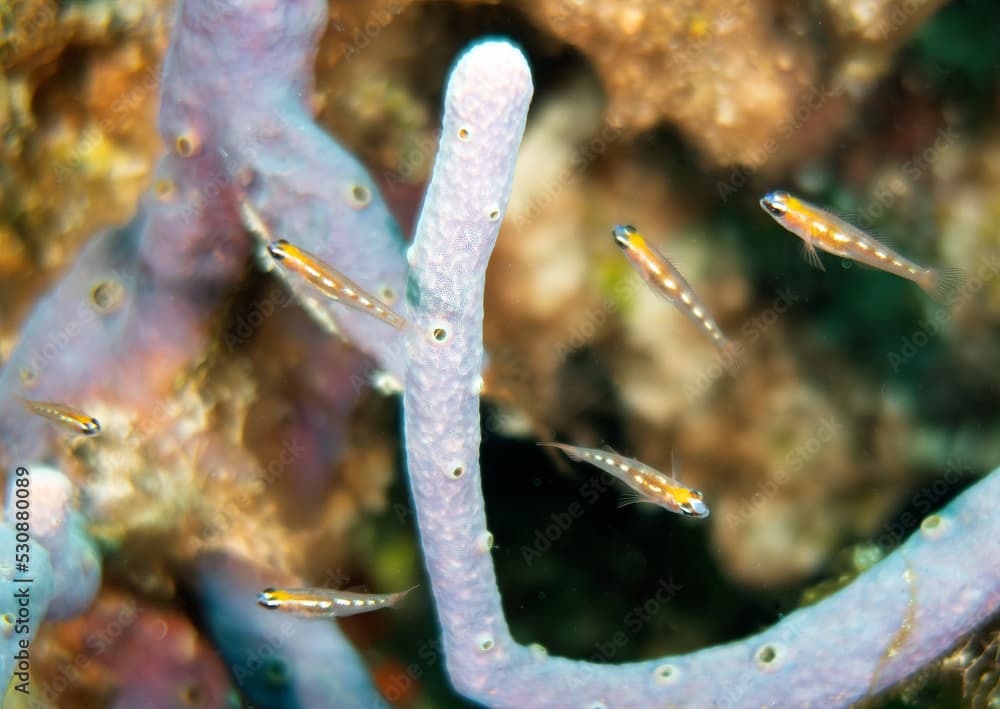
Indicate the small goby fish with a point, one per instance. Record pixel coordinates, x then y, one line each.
331 283
667 282
326 602
66 415
821 229
651 485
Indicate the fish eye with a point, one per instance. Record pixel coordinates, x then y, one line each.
774 203
275 249
623 234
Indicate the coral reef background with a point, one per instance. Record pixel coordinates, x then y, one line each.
862 406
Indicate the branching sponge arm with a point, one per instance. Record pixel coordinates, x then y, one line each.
886 625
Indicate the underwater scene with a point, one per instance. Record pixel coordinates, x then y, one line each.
632 354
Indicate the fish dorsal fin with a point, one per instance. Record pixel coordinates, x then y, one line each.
855 220
811 255
675 466
877 240
608 449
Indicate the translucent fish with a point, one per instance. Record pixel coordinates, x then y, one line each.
821 229
314 276
667 282
330 282
650 484
67 416
326 602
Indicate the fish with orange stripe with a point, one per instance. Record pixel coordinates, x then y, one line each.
66 416
326 602
649 484
821 229
667 282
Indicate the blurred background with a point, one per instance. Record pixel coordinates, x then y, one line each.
862 405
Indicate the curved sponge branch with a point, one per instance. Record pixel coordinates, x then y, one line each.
276 660
22 603
901 614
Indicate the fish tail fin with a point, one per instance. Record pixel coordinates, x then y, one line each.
942 284
400 595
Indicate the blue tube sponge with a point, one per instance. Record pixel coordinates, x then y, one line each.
276 660
59 529
25 593
897 617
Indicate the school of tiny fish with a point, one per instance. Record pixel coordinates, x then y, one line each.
818 229
325 602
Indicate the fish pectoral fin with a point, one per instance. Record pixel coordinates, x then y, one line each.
811 256
632 498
